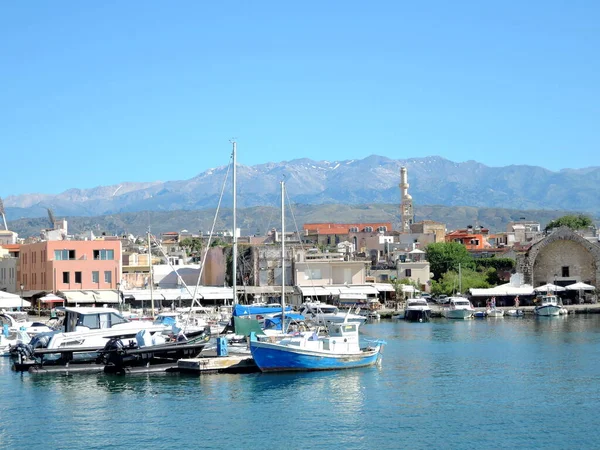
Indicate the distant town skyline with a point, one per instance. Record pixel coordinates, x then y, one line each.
101 94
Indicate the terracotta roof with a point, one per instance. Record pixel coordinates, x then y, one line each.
11 246
342 228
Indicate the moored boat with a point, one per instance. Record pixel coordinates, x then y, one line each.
494 312
339 349
417 310
458 308
548 305
323 314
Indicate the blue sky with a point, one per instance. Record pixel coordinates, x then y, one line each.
97 93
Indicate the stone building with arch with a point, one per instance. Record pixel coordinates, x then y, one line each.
563 257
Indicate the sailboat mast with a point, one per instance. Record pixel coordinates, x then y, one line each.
235 249
459 280
151 281
283 257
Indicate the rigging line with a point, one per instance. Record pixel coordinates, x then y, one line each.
211 232
289 205
201 271
179 278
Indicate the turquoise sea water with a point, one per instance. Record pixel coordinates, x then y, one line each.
501 383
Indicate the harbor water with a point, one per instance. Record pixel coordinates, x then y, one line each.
495 383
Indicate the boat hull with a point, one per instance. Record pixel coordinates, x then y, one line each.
458 314
547 310
278 358
495 313
417 315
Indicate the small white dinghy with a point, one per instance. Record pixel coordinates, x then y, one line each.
515 313
495 312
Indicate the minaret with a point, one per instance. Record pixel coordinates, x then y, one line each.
406 207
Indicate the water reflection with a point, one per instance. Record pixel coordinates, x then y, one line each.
493 375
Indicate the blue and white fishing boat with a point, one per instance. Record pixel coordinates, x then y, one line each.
339 349
308 351
549 305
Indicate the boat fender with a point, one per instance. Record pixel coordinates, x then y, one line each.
345 340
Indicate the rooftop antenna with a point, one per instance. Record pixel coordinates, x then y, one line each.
2 212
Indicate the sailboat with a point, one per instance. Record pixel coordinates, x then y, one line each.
308 351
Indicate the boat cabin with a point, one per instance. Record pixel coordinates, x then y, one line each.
551 300
83 319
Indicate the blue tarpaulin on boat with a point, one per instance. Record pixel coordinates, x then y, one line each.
249 310
275 322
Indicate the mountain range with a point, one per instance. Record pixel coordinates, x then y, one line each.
370 181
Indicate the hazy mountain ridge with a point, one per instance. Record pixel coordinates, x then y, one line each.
433 181
258 220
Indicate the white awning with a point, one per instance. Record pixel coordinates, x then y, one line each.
310 291
384 287
79 296
334 290
216 293
352 296
360 289
107 296
505 289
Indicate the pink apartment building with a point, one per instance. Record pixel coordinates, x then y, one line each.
53 266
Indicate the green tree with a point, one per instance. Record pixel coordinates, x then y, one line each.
450 283
192 246
399 282
445 256
572 221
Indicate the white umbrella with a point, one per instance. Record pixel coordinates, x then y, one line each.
579 286
8 300
51 298
549 287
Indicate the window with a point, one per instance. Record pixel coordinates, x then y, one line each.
95 276
107 276
565 271
353 229
313 274
77 277
92 321
407 272
64 255
369 229
104 254
382 228
66 277
116 319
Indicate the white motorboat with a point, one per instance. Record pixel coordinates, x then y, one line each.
92 328
548 305
515 313
322 313
31 328
417 310
10 338
458 308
